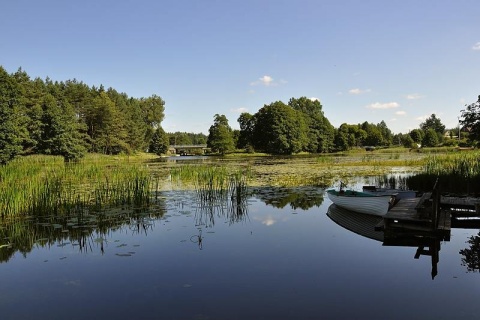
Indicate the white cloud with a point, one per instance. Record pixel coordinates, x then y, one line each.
239 110
476 46
414 96
314 99
400 113
268 220
378 105
265 80
358 91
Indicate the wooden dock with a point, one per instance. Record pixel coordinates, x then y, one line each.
421 216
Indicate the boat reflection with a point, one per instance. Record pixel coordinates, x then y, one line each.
359 223
364 225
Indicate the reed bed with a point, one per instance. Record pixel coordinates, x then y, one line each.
44 185
457 173
214 182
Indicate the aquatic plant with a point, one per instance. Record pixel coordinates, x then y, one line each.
457 172
44 185
214 182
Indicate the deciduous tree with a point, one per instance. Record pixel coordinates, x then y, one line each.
279 129
220 137
471 120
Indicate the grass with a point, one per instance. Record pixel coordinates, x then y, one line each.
44 185
457 172
213 182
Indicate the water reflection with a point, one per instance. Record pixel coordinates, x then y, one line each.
85 231
471 255
365 225
234 210
297 197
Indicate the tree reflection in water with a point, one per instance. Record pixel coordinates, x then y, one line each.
297 197
85 230
471 255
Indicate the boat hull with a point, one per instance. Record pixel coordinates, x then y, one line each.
359 223
376 205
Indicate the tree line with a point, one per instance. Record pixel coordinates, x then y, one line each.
297 126
70 118
301 126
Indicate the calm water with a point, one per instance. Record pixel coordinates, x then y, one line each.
275 258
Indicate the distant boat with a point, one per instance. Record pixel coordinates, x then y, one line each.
398 193
363 202
359 223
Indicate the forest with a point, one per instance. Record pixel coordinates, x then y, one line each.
70 118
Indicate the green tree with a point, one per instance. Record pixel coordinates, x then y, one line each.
135 126
341 141
471 121
220 137
417 135
60 135
159 143
374 135
247 125
436 124
279 129
319 131
12 121
430 139
387 136
198 138
407 141
180 138
106 126
433 123
30 98
153 109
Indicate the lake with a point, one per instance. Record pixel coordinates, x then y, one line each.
276 256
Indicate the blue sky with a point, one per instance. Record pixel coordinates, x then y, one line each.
365 60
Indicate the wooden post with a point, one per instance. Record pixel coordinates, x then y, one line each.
435 205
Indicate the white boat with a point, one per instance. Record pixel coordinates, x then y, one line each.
364 202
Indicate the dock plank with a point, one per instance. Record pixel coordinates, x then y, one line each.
405 209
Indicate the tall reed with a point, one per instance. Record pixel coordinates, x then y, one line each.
44 185
457 173
214 182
